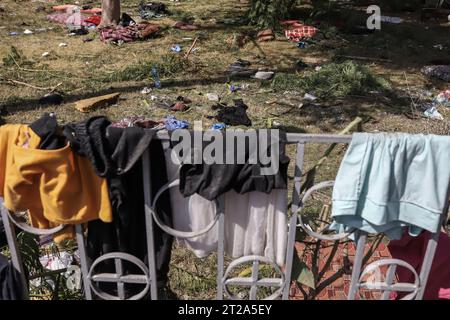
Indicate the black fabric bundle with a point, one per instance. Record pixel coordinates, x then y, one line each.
11 286
115 154
213 180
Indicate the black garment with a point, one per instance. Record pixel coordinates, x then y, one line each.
46 127
115 154
233 116
210 181
11 286
3 241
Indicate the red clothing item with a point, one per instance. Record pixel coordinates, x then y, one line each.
94 20
298 31
412 250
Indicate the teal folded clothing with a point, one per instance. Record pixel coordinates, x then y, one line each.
390 181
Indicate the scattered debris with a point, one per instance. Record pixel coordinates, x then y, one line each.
233 116
264 75
302 45
388 19
13 33
212 96
191 48
95 20
433 113
443 98
298 31
56 262
126 20
241 68
179 106
171 123
175 48
28 31
155 77
300 65
62 44
309 97
184 26
79 32
218 126
129 33
51 98
265 35
152 10
146 90
138 121
45 54
90 104
441 72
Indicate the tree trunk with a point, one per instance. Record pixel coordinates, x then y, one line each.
110 13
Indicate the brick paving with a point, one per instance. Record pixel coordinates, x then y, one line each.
339 289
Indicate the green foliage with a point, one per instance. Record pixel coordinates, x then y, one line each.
301 273
267 13
333 80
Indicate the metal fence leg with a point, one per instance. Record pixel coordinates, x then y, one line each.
293 219
357 264
220 247
83 260
149 224
16 259
427 263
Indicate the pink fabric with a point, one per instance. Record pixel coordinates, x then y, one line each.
65 18
412 250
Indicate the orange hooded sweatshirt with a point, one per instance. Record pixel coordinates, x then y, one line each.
55 186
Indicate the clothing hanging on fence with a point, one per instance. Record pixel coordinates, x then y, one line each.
255 221
212 180
389 181
412 250
116 154
55 186
11 286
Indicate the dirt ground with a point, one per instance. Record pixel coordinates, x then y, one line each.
395 54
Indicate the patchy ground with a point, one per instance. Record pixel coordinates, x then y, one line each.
383 85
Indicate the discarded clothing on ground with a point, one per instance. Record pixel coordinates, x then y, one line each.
126 20
441 72
412 250
390 181
233 116
71 7
152 10
11 286
95 20
68 18
128 34
241 68
138 122
265 35
298 31
184 26
171 123
212 180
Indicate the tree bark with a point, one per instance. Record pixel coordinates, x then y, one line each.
110 13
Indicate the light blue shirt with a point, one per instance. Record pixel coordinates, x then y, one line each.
390 181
